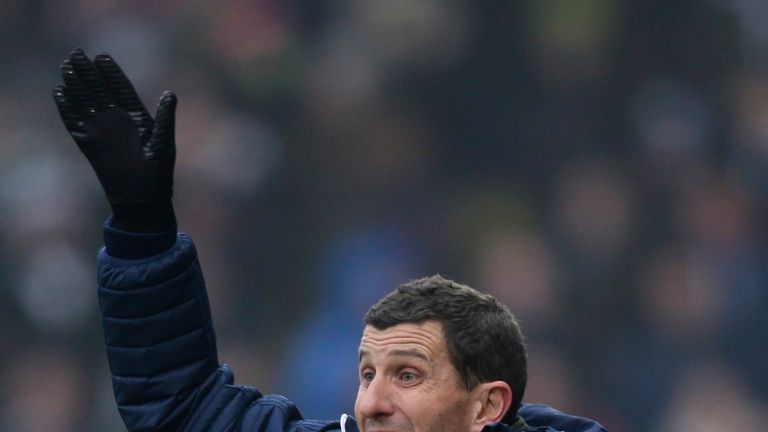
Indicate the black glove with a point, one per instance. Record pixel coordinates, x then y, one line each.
132 154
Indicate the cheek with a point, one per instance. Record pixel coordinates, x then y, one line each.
446 413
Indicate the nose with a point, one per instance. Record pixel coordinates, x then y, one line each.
375 400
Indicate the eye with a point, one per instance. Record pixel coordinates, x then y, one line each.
366 376
408 377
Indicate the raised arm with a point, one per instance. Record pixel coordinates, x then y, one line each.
157 324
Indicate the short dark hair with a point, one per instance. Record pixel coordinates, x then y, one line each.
483 337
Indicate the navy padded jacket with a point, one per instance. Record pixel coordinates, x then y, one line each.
162 352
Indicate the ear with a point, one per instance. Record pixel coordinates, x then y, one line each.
493 399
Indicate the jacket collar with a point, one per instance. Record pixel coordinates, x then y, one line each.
518 426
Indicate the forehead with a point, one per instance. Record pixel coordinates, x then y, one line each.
425 338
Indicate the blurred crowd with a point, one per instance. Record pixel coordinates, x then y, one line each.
600 166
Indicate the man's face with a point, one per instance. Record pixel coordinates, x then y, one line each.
408 383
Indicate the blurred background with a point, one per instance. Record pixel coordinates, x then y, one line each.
601 166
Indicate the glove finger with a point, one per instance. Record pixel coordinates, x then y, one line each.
123 91
92 80
77 95
162 144
72 121
68 114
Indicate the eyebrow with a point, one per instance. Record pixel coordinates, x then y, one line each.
399 353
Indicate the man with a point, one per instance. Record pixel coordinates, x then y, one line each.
434 355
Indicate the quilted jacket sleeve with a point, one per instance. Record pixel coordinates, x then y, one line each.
162 349
159 337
